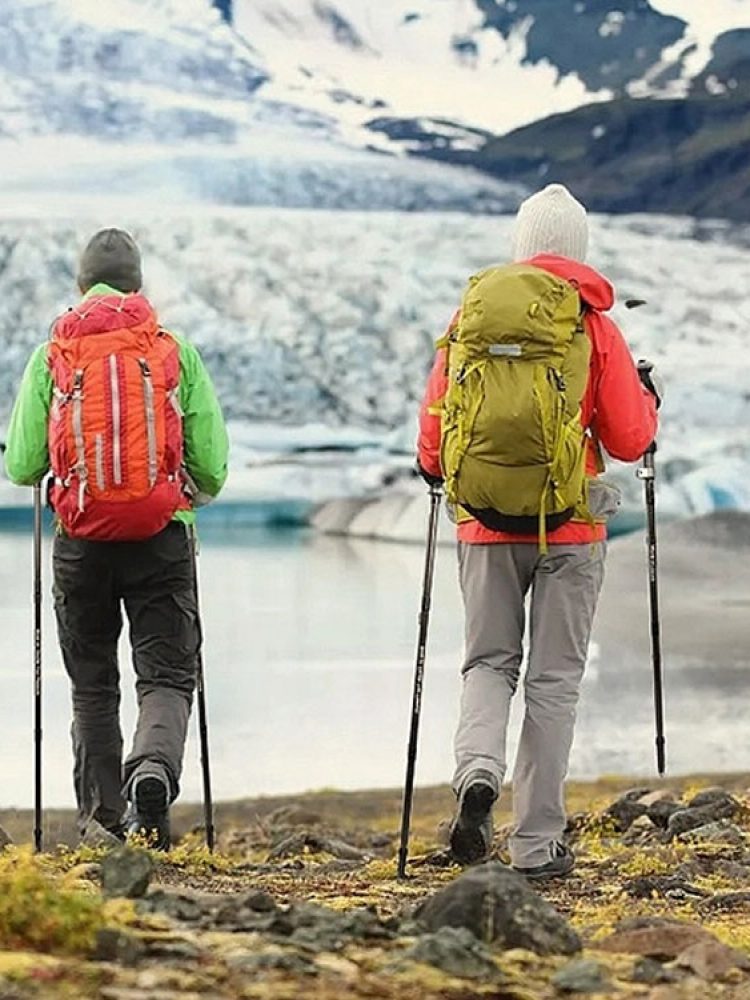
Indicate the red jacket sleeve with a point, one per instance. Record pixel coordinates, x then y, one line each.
428 443
624 413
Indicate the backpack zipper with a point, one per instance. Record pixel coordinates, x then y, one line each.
99 456
116 421
148 401
77 417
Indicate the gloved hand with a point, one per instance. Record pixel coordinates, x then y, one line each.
434 482
651 380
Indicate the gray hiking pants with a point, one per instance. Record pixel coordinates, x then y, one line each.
154 580
564 585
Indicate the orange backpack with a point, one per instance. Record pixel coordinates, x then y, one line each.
115 424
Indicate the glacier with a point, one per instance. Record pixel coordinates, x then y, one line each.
318 328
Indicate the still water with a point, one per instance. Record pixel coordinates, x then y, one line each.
309 658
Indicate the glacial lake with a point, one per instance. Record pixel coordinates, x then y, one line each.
309 654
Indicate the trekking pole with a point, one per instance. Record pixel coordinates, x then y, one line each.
200 690
37 560
416 704
647 473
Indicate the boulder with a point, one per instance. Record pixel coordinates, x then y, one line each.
625 810
126 872
654 937
497 906
711 959
585 975
693 816
455 950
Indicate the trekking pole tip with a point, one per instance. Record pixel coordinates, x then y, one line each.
402 859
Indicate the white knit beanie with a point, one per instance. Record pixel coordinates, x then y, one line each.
551 221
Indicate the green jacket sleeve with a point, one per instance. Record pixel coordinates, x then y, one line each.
206 442
26 454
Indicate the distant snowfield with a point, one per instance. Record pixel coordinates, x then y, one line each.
707 18
358 59
319 327
401 57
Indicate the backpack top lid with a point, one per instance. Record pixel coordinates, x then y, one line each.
519 310
99 314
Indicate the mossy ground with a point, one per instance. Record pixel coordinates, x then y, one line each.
52 911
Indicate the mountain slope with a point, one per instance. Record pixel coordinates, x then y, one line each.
687 156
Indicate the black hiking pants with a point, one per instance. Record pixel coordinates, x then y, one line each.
155 583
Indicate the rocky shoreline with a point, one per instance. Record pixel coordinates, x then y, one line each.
302 900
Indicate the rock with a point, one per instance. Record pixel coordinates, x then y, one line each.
725 902
647 886
173 949
288 846
711 959
282 961
651 972
177 904
301 842
582 976
113 945
318 928
692 817
5 840
345 852
658 795
720 832
660 812
260 902
714 797
292 815
455 950
497 905
126 872
97 836
640 831
379 841
625 810
254 911
654 937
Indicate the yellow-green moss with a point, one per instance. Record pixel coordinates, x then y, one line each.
37 912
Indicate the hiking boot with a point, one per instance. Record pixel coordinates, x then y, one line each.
148 814
561 863
471 830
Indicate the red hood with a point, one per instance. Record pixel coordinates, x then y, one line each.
594 288
105 313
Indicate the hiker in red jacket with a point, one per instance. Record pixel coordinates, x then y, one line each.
563 571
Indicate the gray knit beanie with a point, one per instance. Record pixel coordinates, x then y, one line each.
112 257
551 221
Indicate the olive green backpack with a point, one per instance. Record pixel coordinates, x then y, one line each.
513 446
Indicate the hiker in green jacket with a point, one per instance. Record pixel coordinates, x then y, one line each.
124 416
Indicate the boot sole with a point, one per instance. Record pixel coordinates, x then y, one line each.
467 843
151 797
151 801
